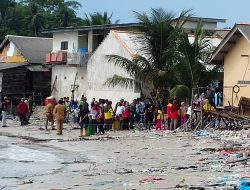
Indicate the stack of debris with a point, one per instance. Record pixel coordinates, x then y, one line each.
38 113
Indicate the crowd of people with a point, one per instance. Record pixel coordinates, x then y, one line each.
105 116
24 110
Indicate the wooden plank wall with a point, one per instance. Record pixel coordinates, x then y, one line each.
14 81
42 82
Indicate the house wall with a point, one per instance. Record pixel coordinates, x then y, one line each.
71 37
41 82
206 25
65 80
99 70
235 67
14 81
10 54
83 41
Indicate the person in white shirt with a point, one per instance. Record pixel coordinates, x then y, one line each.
189 112
119 110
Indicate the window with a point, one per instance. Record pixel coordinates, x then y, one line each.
64 45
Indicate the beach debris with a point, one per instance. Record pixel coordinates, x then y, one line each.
125 171
101 183
151 180
26 161
178 186
186 167
26 181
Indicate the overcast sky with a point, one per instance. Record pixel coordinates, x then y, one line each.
232 10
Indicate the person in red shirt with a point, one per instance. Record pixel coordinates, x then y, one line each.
169 107
126 117
174 115
23 111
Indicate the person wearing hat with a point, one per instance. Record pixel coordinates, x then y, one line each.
4 107
23 111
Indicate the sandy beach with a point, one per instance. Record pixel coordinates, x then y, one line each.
124 159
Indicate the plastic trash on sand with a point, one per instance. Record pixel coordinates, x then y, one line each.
244 184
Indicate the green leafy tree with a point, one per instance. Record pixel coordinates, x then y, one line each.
66 14
180 92
98 18
4 6
37 20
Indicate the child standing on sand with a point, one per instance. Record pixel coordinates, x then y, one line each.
183 113
159 118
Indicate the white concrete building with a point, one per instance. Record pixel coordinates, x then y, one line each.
209 24
79 61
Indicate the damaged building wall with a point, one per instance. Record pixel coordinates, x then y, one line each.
65 80
99 70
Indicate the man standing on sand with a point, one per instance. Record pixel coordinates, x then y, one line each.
23 111
30 104
59 114
4 107
49 115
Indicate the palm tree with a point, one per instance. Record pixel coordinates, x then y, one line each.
191 69
152 67
67 13
37 20
98 18
64 15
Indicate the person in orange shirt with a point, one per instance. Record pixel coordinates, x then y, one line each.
49 115
59 114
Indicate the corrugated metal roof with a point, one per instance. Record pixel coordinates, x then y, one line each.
32 48
221 33
4 66
93 27
38 68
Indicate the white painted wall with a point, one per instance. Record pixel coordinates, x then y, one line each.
206 25
11 49
213 40
99 70
65 78
71 37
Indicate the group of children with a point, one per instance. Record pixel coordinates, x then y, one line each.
177 113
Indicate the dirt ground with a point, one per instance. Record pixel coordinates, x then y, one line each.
133 160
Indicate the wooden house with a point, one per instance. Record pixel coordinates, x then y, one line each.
22 68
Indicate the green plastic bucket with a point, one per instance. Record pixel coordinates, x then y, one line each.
90 130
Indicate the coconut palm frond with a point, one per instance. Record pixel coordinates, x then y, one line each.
183 17
142 61
159 15
119 80
130 66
